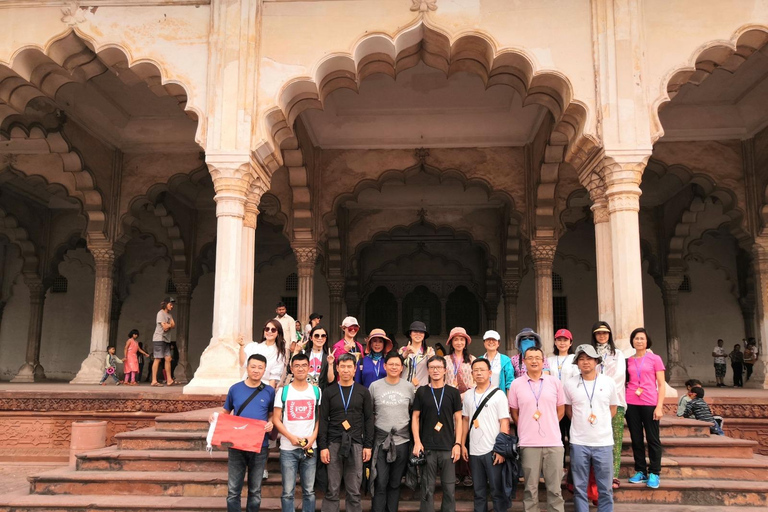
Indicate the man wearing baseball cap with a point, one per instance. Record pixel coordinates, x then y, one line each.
590 402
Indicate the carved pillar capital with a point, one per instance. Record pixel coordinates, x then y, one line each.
543 254
510 287
336 288
305 256
104 259
600 212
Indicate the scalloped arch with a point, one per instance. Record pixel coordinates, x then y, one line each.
10 227
718 54
473 52
40 71
60 164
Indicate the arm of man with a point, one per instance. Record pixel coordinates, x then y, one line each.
368 428
464 450
417 446
503 427
322 434
569 411
515 415
456 450
560 412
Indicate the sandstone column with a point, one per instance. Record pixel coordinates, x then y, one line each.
623 192
92 368
443 322
219 364
760 252
605 307
32 370
676 373
336 288
182 373
248 266
543 253
306 256
511 289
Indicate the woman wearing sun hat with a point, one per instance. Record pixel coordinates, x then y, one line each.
459 361
371 367
415 354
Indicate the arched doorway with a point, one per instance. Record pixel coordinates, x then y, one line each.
422 304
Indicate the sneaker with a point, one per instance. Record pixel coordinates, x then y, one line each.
266 474
468 481
639 478
653 481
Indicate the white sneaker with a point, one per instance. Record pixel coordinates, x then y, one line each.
266 474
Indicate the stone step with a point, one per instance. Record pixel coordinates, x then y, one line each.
101 503
705 468
727 493
189 421
112 459
153 439
712 446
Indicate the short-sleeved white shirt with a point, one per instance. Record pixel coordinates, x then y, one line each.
720 351
577 392
299 415
482 439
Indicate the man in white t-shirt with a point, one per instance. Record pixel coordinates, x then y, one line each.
481 431
719 355
590 402
296 420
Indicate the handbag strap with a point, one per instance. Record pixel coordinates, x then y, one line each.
256 391
482 404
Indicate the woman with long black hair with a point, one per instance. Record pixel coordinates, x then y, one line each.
320 353
272 346
614 365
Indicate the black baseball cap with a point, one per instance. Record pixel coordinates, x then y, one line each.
315 315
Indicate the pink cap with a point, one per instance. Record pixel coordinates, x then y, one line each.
564 333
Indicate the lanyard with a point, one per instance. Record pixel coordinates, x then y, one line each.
537 395
589 397
481 396
376 367
456 366
346 402
559 367
438 405
639 368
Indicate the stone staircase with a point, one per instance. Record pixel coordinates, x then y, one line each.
167 468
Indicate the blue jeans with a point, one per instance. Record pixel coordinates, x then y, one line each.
291 462
484 475
601 460
239 462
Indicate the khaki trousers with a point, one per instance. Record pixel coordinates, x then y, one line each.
549 462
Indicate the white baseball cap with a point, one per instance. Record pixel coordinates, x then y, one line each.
349 321
492 334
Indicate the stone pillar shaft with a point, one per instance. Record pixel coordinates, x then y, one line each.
32 370
336 288
306 258
248 269
604 260
92 368
760 252
182 372
675 370
543 253
511 289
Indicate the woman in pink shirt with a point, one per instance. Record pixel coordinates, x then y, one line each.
645 400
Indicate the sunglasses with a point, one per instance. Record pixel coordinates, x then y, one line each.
270 329
319 336
353 328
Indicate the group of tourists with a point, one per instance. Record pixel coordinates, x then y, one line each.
376 416
741 362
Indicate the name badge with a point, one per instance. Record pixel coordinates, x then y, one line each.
537 415
592 419
346 425
639 391
438 427
476 423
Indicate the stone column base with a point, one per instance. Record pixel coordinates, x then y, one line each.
677 375
92 369
219 369
30 373
181 373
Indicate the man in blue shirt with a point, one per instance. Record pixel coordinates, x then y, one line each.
255 400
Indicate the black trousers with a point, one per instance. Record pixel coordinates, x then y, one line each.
749 367
738 370
386 490
640 418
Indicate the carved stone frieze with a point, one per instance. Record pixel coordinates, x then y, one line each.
104 404
72 14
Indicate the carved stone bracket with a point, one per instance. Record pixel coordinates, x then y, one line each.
336 288
423 6
72 13
511 288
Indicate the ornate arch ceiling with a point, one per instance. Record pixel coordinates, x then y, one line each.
421 106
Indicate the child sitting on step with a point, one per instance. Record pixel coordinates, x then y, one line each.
110 367
698 409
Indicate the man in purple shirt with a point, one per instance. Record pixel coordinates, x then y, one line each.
537 404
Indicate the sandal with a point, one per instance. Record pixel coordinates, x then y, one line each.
616 483
156 385
174 383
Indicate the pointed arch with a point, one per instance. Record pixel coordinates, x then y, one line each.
10 227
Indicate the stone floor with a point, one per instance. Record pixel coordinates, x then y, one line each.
13 475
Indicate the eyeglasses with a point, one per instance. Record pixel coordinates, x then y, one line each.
534 359
353 328
435 368
297 365
319 336
270 329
